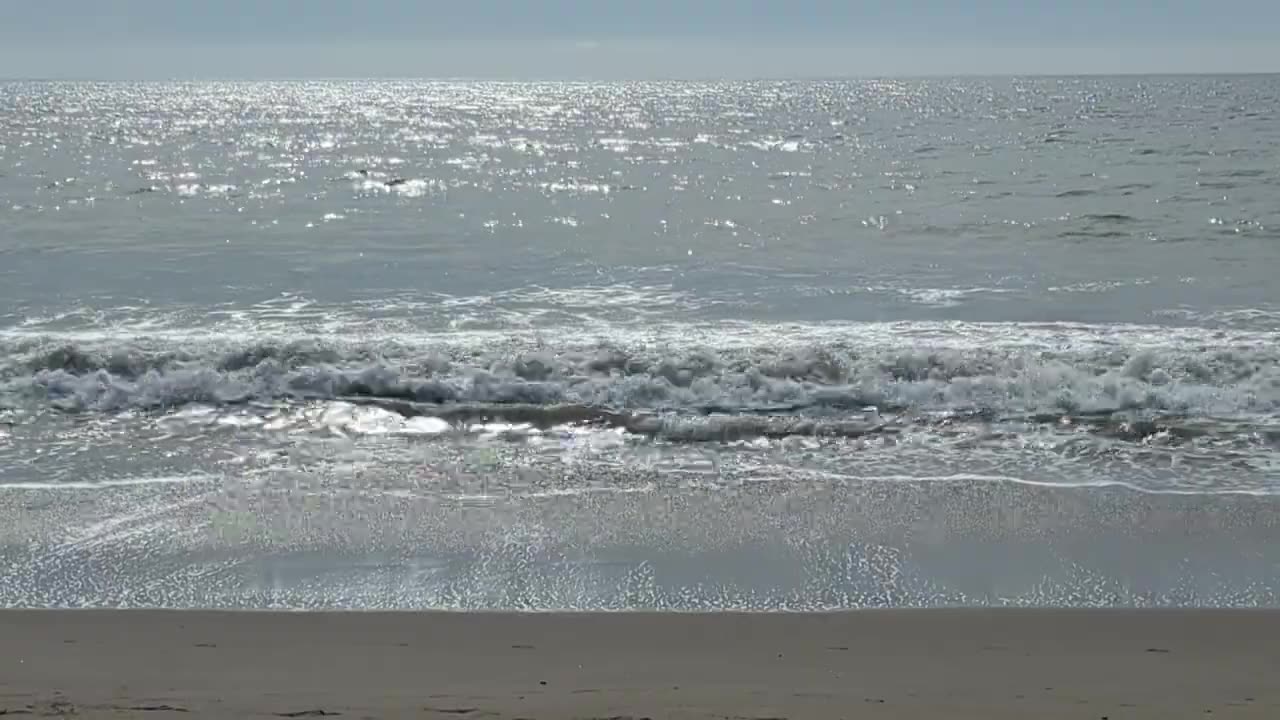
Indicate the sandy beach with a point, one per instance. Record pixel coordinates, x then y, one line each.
873 664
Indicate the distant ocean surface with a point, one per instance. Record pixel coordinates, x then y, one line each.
774 345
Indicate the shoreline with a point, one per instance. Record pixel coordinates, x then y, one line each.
876 663
804 546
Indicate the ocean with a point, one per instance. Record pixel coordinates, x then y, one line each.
682 346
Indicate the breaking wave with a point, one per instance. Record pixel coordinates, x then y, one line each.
820 375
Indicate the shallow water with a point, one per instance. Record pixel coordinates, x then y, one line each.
585 331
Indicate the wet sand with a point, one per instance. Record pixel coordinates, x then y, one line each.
989 664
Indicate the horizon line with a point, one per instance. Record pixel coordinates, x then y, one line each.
656 78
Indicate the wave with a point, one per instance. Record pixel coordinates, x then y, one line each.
715 425
823 375
670 427
108 483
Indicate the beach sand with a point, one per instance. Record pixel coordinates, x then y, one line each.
989 664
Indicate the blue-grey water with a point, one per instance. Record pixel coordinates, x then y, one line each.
784 345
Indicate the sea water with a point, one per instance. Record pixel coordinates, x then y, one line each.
757 345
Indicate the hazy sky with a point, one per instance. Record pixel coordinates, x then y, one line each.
630 38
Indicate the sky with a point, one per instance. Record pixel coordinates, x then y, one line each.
630 39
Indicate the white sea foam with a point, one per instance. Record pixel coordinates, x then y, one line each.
121 482
1005 369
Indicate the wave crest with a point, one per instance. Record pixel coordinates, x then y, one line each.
819 378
